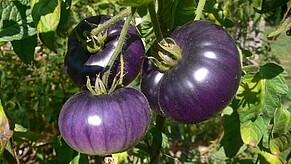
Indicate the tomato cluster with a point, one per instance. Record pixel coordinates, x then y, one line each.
106 123
202 79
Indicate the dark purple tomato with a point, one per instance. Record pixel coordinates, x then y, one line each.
104 124
203 82
80 63
150 84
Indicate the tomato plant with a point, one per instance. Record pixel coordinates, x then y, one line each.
77 79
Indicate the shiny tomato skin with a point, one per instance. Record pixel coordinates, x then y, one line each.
104 124
204 81
80 63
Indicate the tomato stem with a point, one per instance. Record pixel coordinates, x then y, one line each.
199 9
155 153
118 48
155 21
124 13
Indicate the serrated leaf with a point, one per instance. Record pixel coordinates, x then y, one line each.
274 88
280 144
16 22
46 15
282 121
24 48
270 5
253 131
5 131
251 97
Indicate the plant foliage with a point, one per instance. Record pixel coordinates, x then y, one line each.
254 128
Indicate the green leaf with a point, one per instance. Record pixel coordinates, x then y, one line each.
159 137
64 152
5 131
184 12
166 12
280 144
231 141
246 52
65 13
24 48
120 157
253 131
80 159
282 121
214 8
173 13
270 158
15 20
146 30
227 111
274 88
270 5
134 3
251 97
270 70
46 15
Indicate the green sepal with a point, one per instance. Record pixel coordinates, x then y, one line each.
92 44
100 87
163 67
165 54
169 48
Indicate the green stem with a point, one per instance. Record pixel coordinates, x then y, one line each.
155 153
118 48
155 21
199 9
160 120
114 19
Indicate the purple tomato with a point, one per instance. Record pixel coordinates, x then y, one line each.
203 82
104 124
79 62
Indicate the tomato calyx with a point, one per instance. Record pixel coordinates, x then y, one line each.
166 54
100 87
92 43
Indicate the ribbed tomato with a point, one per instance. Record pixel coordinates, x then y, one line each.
104 124
203 82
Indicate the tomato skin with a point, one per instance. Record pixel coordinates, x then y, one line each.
204 81
104 124
80 63
151 79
